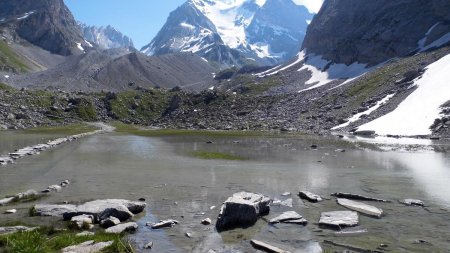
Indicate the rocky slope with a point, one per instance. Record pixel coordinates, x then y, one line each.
372 32
106 37
118 70
234 32
47 24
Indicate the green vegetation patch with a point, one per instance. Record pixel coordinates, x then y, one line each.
217 156
48 240
63 130
10 61
147 105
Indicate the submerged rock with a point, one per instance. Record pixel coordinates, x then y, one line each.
148 245
289 217
242 209
311 197
413 202
125 227
266 247
287 202
361 207
87 247
339 219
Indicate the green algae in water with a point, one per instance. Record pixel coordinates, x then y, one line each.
217 156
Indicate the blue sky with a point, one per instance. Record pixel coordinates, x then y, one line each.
139 19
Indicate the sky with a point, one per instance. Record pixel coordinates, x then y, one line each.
139 19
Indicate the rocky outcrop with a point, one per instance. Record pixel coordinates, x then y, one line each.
106 37
242 209
348 31
48 24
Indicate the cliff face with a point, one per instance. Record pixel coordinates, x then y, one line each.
348 31
48 24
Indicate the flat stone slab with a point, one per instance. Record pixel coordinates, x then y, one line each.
242 209
413 202
266 247
339 219
357 197
125 227
289 217
311 197
361 207
287 202
87 247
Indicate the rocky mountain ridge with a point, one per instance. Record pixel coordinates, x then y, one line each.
106 37
234 33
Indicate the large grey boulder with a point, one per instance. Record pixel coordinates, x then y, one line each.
242 209
53 210
125 227
339 219
87 247
100 209
361 207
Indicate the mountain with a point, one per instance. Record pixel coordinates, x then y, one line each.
234 32
47 24
106 37
119 70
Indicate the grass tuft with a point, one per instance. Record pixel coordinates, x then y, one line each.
217 156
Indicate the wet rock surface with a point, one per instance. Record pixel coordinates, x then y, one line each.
311 197
289 217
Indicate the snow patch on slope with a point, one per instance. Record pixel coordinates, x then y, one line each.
356 117
416 114
437 43
323 73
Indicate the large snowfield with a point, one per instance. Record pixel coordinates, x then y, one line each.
416 114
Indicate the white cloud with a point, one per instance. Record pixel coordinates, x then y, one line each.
312 5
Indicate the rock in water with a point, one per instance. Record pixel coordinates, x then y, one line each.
287 202
163 224
356 197
339 219
11 211
361 207
311 197
87 247
413 202
6 201
289 217
266 247
206 221
148 245
242 209
126 227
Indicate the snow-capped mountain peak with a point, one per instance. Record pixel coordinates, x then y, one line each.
234 32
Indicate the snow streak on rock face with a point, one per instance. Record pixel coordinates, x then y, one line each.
416 114
234 31
106 37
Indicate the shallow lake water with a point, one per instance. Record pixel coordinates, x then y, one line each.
179 186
